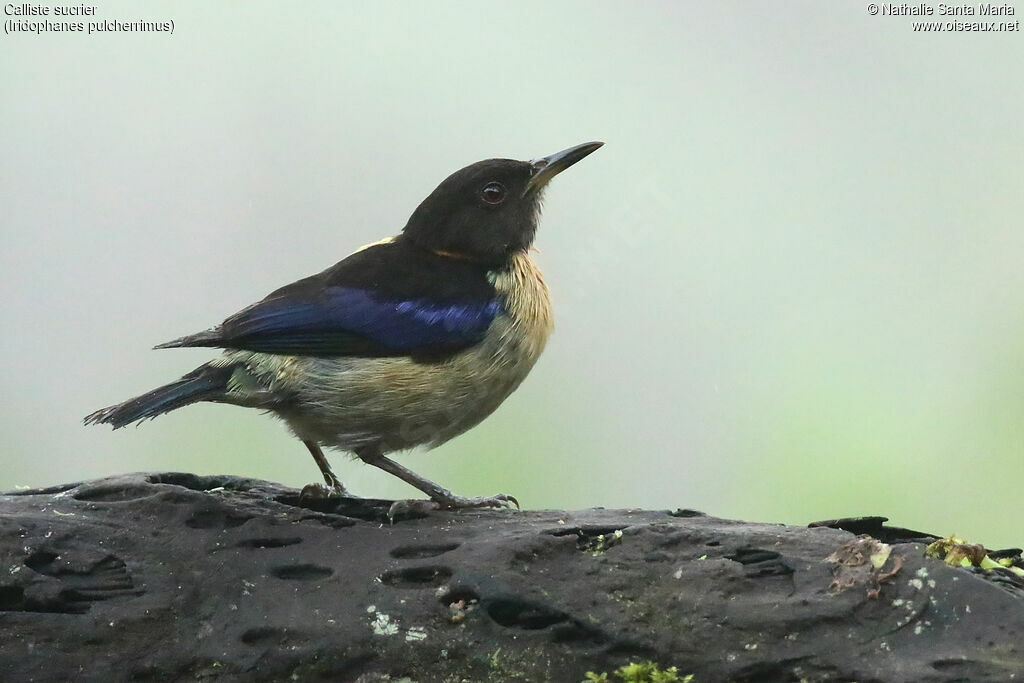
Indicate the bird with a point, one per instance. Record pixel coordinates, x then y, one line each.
409 341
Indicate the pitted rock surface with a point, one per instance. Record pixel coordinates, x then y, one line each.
178 577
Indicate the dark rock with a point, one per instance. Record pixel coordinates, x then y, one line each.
877 528
176 576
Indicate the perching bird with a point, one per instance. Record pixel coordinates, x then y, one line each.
409 341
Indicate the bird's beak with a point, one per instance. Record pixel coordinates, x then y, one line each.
546 168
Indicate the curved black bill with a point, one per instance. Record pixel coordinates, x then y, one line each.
546 168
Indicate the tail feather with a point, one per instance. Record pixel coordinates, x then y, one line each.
204 383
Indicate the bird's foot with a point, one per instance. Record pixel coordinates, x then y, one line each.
460 503
320 491
419 508
407 509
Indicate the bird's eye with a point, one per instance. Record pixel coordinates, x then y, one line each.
493 193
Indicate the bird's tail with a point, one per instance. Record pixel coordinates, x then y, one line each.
205 383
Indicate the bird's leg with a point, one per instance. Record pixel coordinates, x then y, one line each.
334 485
444 498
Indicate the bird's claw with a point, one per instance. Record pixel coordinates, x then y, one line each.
405 509
420 508
458 502
320 491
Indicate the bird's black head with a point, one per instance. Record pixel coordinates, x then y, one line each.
488 211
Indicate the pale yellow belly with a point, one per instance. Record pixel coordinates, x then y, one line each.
397 403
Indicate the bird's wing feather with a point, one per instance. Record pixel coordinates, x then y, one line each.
349 321
390 299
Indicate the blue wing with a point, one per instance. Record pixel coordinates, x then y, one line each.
389 299
348 321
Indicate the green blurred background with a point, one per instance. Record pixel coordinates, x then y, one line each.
789 287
